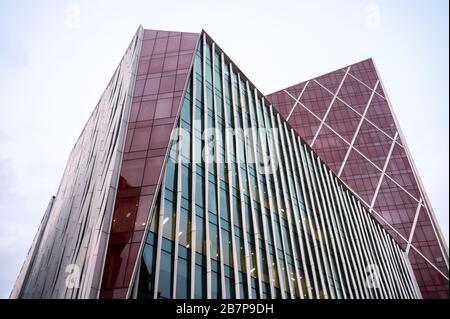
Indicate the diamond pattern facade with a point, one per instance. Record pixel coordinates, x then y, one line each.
346 118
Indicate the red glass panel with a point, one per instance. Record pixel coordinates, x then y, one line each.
163 34
115 268
400 205
125 214
304 123
131 173
134 251
373 143
134 111
160 136
432 283
188 41
163 108
150 34
180 82
152 170
399 168
365 72
147 47
361 176
330 148
156 65
160 45
355 94
424 240
143 67
170 63
331 80
175 105
316 99
128 140
167 84
137 236
343 120
139 87
184 61
151 86
106 293
147 110
119 293
293 90
141 138
380 114
174 44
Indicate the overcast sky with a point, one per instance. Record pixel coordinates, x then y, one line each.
56 58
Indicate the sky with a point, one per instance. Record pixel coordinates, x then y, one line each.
56 58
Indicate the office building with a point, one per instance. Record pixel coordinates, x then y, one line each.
187 183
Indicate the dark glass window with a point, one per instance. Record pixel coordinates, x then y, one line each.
182 278
165 275
200 282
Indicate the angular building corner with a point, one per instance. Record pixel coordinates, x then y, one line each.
80 244
187 183
73 237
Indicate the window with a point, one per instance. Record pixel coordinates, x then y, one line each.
165 275
182 278
200 282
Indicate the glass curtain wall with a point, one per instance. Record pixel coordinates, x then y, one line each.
247 210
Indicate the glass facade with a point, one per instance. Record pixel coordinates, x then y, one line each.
163 66
247 210
187 183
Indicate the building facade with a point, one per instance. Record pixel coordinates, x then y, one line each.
187 183
346 117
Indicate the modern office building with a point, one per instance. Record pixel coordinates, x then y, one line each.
187 183
347 119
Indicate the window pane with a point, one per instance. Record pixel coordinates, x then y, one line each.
165 275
